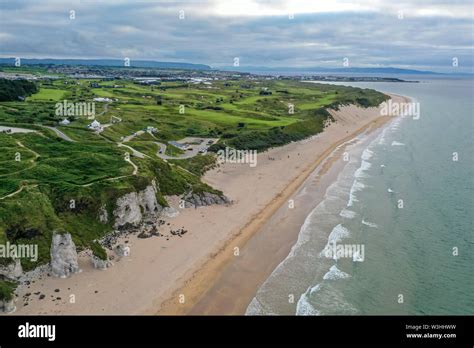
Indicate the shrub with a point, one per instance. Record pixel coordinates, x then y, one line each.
6 290
98 250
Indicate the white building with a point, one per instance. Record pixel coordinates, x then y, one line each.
95 125
65 122
150 129
100 99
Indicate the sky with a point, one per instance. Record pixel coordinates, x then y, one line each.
424 34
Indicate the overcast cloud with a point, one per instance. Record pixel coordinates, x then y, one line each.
277 33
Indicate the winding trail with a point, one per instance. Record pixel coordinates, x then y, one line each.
135 168
37 155
58 133
17 191
135 153
106 107
33 160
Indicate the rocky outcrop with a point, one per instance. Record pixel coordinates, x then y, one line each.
103 214
7 306
128 210
204 199
11 271
147 200
99 263
122 250
63 256
170 212
133 207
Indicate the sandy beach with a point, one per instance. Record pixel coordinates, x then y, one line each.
228 251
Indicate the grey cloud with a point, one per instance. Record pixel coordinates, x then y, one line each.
152 30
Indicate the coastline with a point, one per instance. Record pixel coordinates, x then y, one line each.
163 270
208 292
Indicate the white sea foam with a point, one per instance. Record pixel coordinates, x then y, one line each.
395 126
337 234
304 306
335 273
367 154
397 143
314 289
356 187
364 166
370 224
303 236
348 214
381 140
255 308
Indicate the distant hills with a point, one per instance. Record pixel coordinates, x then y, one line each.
342 70
247 69
108 62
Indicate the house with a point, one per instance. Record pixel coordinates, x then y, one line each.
65 122
150 129
95 125
100 99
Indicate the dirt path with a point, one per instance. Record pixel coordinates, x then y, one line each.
59 133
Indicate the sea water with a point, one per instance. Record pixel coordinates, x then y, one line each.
407 196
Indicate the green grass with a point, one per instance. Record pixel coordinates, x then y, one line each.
81 171
48 94
197 165
172 150
98 250
6 290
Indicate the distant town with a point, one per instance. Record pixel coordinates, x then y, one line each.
154 76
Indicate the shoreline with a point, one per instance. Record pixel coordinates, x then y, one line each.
202 284
159 270
274 239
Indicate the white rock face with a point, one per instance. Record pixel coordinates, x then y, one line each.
128 210
122 250
100 264
63 256
103 215
12 271
147 200
170 212
7 306
133 207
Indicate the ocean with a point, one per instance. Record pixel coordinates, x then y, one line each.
399 218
